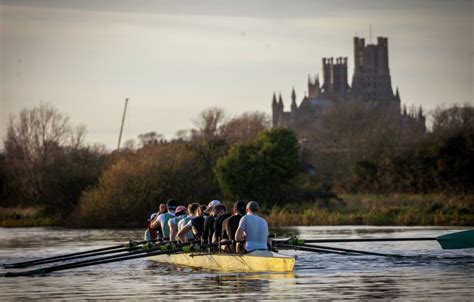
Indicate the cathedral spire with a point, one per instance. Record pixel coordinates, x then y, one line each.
274 99
397 95
293 100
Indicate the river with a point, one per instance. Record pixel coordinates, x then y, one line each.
430 274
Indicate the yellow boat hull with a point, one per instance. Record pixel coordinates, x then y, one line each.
257 261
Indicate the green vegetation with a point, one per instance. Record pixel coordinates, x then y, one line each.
261 169
396 209
26 217
353 170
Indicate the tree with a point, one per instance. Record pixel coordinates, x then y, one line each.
245 127
134 184
260 170
453 119
44 154
149 138
208 124
452 146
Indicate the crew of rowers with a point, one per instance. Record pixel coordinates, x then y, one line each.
210 224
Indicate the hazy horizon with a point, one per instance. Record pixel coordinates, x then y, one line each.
174 59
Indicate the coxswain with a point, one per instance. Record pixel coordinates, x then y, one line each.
253 229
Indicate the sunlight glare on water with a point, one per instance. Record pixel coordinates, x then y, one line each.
431 273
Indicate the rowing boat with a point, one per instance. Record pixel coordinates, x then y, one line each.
256 261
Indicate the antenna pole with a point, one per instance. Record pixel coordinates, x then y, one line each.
123 120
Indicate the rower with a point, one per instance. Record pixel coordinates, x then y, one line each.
230 225
181 212
253 229
220 214
163 219
188 234
208 230
196 224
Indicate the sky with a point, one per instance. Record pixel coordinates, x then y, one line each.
173 59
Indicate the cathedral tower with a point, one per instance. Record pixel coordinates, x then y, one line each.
371 80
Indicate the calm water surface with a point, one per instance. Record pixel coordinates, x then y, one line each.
431 274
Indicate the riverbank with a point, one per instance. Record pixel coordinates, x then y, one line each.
380 210
355 209
13 217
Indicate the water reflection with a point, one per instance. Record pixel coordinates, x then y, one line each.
429 272
379 287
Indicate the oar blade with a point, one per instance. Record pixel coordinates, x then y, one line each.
458 240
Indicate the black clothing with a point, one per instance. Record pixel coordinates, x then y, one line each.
198 226
230 226
208 229
218 224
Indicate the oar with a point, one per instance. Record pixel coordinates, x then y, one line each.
107 252
128 247
352 251
95 252
310 249
159 250
457 240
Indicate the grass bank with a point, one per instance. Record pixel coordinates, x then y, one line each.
356 209
395 209
25 217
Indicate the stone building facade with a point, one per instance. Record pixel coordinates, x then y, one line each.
371 83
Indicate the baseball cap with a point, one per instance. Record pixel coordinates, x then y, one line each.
180 210
214 203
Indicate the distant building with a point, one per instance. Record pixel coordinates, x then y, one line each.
371 83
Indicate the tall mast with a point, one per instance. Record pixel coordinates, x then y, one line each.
123 120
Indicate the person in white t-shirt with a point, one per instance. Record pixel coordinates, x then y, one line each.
253 229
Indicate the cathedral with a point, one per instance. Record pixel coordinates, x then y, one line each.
371 83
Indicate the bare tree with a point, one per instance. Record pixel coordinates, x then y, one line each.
245 127
35 137
208 123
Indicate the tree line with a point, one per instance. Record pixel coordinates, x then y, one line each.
47 164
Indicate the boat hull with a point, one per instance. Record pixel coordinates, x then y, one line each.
257 261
